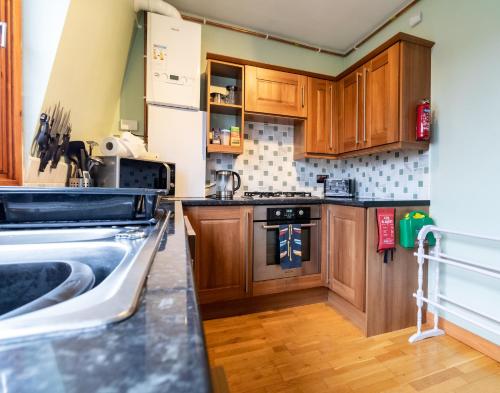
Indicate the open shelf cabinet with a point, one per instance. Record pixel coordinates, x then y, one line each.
223 115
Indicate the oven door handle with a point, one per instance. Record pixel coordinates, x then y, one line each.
277 226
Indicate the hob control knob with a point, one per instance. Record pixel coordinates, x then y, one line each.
278 213
301 212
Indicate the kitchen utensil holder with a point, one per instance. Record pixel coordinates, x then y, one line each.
80 182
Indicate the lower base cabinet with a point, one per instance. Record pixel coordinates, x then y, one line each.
223 251
375 296
346 238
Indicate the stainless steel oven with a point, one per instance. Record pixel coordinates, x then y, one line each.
267 221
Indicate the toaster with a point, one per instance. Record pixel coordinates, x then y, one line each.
339 188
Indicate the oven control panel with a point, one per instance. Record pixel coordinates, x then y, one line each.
288 213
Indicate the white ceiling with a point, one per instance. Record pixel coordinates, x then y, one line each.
330 24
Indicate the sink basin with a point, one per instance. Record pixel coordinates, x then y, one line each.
72 278
56 235
27 287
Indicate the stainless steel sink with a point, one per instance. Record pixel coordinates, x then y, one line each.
27 287
119 259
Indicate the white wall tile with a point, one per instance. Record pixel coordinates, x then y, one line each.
267 165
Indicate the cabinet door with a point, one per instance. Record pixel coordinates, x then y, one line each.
381 99
223 246
275 92
350 110
318 116
320 129
347 253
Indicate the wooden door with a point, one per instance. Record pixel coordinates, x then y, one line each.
10 94
350 110
223 247
347 253
321 122
381 99
275 92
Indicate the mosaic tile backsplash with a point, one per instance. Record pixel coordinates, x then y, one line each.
267 165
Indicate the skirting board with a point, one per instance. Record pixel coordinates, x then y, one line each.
255 304
357 317
468 338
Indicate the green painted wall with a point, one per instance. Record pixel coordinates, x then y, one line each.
465 165
132 94
230 43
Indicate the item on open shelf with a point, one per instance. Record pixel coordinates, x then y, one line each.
225 137
231 94
217 98
216 136
235 136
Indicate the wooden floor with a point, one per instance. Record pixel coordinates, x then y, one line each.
314 349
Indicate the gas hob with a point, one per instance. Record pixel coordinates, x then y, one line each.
277 194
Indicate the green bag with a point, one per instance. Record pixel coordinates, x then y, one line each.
409 227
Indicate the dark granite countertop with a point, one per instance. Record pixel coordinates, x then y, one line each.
158 349
357 202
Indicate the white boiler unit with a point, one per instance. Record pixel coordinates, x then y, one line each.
173 62
176 128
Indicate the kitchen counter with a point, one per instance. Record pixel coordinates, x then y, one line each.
356 202
160 348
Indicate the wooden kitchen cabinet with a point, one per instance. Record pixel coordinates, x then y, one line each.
381 99
369 104
378 97
223 251
275 92
350 111
376 296
319 133
346 228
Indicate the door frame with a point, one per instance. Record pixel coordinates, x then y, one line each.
11 146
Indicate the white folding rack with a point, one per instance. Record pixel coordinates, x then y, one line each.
440 258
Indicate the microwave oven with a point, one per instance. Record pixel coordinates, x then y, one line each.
121 172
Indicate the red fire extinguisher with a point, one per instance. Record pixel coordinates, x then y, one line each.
424 120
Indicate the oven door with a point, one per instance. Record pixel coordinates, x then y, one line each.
266 261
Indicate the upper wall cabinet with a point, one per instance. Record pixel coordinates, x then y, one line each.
275 92
369 104
370 107
318 135
350 111
379 97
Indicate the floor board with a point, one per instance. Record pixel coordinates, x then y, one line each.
313 349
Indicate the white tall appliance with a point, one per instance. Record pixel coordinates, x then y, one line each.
176 126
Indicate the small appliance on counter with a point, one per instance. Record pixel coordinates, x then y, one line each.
83 165
225 185
121 172
339 188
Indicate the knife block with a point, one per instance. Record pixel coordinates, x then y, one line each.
51 177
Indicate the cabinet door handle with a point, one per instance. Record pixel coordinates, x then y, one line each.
365 73
278 227
357 107
331 117
327 248
303 98
247 244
